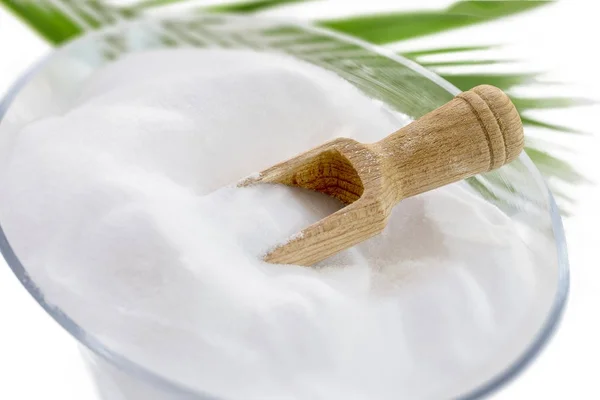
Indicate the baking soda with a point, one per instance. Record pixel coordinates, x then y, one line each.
125 213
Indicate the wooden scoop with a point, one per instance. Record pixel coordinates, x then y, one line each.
478 131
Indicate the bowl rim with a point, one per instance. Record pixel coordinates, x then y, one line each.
540 340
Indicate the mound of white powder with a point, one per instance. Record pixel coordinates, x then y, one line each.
125 213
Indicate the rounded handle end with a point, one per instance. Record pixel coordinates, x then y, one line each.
500 120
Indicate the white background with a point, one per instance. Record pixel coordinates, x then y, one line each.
39 360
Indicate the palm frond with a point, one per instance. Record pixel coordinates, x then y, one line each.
61 20
394 27
239 7
553 166
503 81
463 63
545 125
414 55
251 6
549 102
46 19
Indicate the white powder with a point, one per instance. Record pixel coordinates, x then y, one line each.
124 213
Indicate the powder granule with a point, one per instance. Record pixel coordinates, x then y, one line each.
123 211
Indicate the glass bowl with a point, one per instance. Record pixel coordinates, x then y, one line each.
518 190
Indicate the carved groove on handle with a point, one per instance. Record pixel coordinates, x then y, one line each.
490 126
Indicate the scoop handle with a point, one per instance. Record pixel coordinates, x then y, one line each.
478 131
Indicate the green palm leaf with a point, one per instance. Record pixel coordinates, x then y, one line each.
462 63
549 102
553 166
251 6
503 81
393 27
61 20
545 125
46 19
240 7
444 50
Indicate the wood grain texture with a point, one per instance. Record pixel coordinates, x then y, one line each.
478 131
